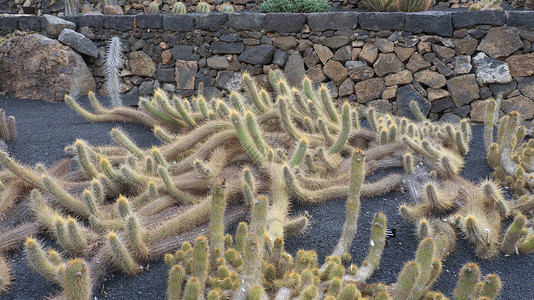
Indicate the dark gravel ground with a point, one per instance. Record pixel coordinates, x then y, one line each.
44 129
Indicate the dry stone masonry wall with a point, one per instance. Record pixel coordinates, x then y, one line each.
449 62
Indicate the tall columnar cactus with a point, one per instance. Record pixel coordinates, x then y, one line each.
5 275
8 130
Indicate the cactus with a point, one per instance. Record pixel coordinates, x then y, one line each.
179 8
112 66
153 7
72 7
203 7
5 275
226 8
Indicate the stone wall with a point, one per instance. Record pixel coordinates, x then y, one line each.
449 62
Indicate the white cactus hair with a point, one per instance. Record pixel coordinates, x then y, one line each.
114 62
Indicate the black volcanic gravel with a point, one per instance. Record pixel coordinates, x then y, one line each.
44 129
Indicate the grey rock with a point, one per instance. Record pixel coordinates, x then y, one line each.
429 22
183 52
92 21
346 88
10 23
462 64
387 63
211 92
246 21
224 48
526 87
53 25
178 23
119 23
490 70
442 105
294 69
462 111
485 92
78 42
405 95
230 38
280 58
464 19
226 79
262 54
185 72
149 21
166 75
332 21
284 22
384 45
336 42
218 62
500 42
146 88
211 22
382 20
343 54
520 20
505 89
442 68
138 45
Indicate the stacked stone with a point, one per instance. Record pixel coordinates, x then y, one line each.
450 63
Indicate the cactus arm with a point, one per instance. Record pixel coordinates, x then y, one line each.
174 284
467 279
377 243
513 234
216 226
403 287
352 209
417 112
245 139
76 281
328 104
255 133
489 122
300 151
38 261
184 114
345 130
252 89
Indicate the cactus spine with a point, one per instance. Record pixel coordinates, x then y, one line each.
179 8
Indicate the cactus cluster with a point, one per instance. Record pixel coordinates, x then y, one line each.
255 152
8 129
227 8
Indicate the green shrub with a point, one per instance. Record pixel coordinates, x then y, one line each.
295 6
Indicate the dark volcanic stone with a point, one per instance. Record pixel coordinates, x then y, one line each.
178 22
520 20
184 52
262 54
246 21
332 21
224 48
211 22
284 23
462 19
381 21
149 21
119 23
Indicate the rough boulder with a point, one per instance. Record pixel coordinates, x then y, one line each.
36 67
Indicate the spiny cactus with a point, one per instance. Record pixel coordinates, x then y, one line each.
179 8
226 8
153 7
5 275
203 7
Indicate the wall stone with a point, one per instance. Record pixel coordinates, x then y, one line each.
449 62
